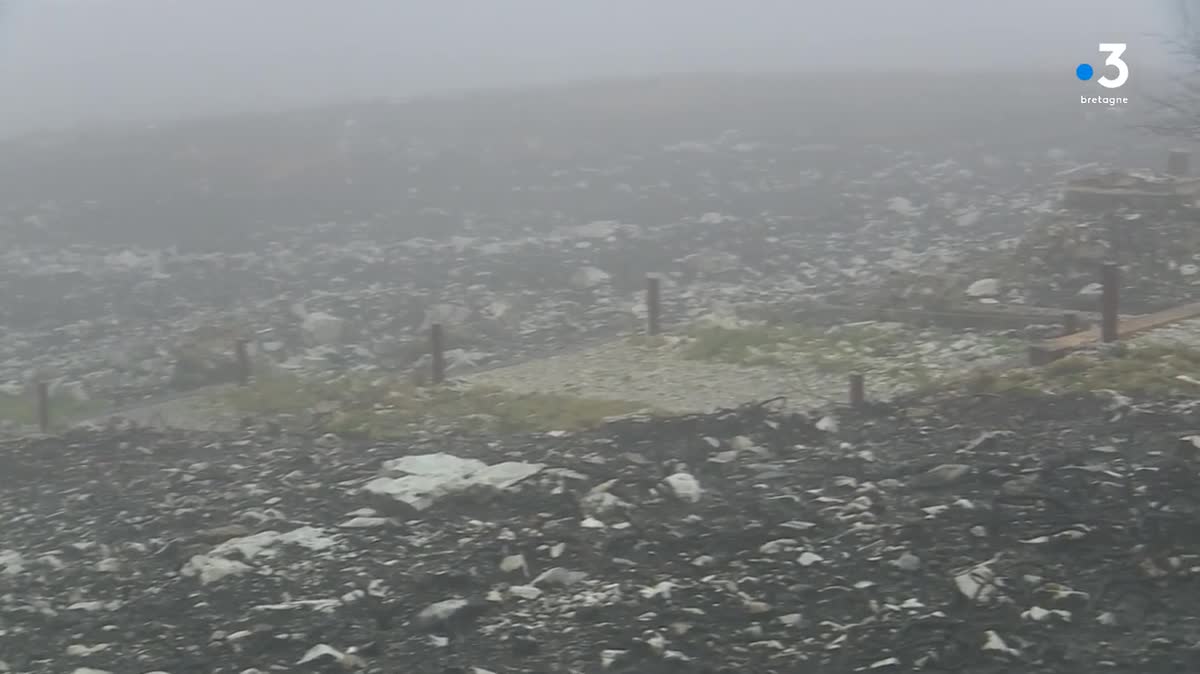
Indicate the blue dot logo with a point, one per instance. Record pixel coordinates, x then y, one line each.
1084 72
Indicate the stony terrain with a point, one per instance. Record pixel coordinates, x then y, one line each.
809 368
975 535
1035 521
531 231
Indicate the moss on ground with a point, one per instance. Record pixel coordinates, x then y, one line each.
1151 370
649 341
868 348
22 409
840 349
390 408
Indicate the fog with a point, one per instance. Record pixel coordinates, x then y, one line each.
759 336
71 61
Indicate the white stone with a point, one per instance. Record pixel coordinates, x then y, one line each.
513 563
525 591
684 486
828 424
322 651
211 569
712 262
586 278
323 329
901 206
984 287
907 562
441 611
993 642
364 523
425 478
809 558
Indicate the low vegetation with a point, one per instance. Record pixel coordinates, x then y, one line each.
384 408
840 349
1150 369
22 409
885 349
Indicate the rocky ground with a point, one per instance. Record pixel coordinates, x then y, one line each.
720 365
533 232
977 534
1035 521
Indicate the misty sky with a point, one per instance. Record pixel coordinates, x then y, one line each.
70 61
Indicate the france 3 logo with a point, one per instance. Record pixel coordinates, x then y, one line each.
1085 72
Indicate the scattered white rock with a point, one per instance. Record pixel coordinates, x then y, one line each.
986 287
525 591
559 576
441 612
685 487
513 563
210 569
589 277
808 558
940 476
994 643
978 583
907 561
323 329
426 478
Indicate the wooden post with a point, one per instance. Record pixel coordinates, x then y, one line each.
437 346
857 391
1109 302
43 406
653 308
242 352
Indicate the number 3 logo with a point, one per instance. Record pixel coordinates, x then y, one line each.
1114 51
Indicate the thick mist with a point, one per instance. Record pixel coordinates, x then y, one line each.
769 336
74 61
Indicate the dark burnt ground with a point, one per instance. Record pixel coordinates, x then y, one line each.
808 550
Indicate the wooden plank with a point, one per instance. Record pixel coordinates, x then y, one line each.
1128 327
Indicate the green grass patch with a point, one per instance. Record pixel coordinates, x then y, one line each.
648 341
22 409
1151 370
838 350
390 409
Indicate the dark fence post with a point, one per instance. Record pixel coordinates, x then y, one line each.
858 395
653 304
1110 300
242 353
43 406
437 347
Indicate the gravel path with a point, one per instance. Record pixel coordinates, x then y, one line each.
1183 333
620 370
664 377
